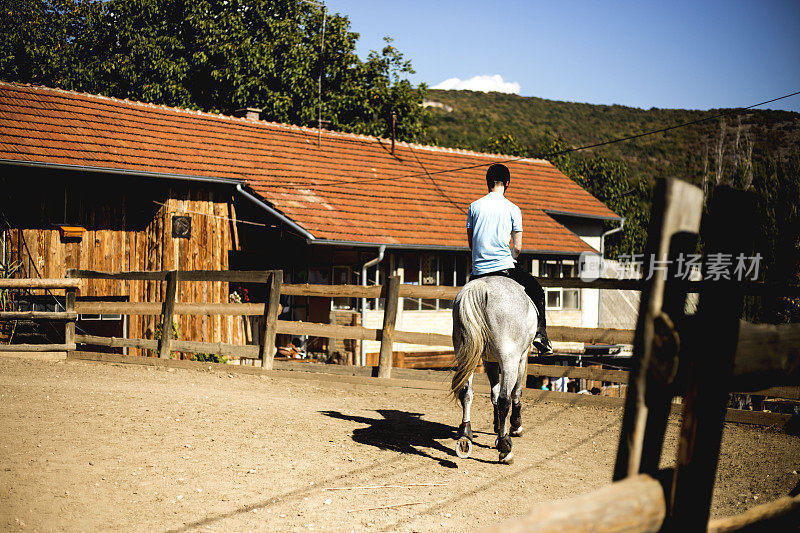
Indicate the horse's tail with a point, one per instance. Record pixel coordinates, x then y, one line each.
472 330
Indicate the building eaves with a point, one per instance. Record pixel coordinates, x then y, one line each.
120 171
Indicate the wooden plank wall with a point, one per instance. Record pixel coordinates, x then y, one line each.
112 244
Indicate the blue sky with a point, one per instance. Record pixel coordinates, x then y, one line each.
670 54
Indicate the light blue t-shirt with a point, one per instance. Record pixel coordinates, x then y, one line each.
492 219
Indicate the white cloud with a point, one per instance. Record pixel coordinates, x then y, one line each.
483 83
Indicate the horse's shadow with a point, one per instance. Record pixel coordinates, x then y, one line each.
402 432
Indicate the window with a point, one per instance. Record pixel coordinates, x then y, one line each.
411 270
571 298
558 298
448 276
554 298
341 276
429 272
445 269
552 269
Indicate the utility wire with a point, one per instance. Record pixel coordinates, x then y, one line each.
676 126
228 219
444 195
538 156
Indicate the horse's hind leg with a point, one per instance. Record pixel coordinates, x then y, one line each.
516 397
493 373
465 396
464 441
508 380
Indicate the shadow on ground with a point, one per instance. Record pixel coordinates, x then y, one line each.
402 432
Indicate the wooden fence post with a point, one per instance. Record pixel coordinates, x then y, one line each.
69 307
269 322
674 224
389 321
730 232
167 314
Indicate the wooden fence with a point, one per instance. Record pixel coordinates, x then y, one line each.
702 358
68 316
270 325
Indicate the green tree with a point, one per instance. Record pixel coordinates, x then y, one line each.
506 144
215 56
777 183
37 40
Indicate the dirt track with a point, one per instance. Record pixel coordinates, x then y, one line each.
97 446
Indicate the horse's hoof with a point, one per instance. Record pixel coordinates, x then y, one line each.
507 458
504 446
517 432
463 447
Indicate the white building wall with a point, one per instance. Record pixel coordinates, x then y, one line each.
420 321
591 234
591 240
590 301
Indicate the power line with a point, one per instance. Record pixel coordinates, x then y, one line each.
538 156
209 215
690 123
444 195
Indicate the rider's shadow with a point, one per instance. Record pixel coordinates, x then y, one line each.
402 432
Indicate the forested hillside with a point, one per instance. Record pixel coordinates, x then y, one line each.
755 150
477 120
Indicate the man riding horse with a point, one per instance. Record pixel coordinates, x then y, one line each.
492 222
494 319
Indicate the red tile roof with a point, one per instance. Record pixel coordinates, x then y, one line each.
351 188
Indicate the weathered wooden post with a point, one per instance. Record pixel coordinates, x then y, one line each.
269 322
730 231
674 225
635 505
167 314
69 307
389 320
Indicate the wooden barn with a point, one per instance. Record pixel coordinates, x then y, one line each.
99 183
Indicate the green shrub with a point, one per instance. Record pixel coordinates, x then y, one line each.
210 358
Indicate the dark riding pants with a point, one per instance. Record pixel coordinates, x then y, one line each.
532 288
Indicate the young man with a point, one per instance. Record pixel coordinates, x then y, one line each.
492 222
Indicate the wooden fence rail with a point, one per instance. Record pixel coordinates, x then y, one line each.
39 283
753 349
754 288
387 335
69 315
269 324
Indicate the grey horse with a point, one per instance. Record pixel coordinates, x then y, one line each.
495 320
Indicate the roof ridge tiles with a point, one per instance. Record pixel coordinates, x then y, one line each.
245 121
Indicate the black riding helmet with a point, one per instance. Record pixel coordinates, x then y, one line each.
498 172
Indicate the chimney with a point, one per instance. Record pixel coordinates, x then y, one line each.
250 113
394 124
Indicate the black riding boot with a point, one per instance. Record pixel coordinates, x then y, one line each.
541 341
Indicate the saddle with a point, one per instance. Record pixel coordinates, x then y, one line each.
506 274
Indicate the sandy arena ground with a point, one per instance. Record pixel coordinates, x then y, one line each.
97 446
